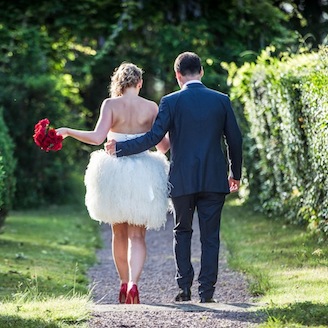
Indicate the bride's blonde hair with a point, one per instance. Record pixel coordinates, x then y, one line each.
125 76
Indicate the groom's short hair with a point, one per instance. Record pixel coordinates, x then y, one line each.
188 63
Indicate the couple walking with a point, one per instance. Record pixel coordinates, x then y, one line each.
130 188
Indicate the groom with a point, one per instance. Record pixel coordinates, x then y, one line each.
197 119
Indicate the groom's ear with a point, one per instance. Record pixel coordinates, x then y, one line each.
178 75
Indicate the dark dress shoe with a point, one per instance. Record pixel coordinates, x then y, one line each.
184 295
207 300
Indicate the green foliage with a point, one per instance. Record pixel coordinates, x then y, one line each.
47 251
7 166
283 105
306 314
308 20
57 58
45 255
151 34
68 312
286 268
34 85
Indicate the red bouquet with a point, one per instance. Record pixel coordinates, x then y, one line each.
45 137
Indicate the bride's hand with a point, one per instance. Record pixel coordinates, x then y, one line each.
63 132
110 147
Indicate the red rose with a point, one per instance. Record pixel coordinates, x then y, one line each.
38 138
46 138
57 146
52 133
45 122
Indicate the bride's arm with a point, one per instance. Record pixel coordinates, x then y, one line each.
164 145
98 135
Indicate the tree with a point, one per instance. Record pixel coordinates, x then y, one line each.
58 57
35 83
151 34
310 19
7 166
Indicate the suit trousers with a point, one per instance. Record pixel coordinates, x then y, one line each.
209 207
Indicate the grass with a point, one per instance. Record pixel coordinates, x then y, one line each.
43 312
44 256
286 267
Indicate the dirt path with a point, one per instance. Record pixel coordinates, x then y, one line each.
157 289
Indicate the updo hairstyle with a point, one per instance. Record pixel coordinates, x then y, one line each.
125 76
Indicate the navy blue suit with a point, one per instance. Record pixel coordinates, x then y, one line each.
198 120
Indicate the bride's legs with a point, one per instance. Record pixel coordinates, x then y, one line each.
136 259
120 250
137 252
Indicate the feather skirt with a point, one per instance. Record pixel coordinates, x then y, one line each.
132 189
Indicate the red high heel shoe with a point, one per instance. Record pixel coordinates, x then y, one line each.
132 296
122 295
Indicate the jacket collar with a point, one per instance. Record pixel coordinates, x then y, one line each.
193 84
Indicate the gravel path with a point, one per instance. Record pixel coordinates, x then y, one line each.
158 288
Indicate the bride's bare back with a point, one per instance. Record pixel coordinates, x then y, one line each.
131 114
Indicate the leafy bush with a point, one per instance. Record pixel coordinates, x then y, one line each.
283 109
34 85
7 166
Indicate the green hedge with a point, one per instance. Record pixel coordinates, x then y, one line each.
282 104
7 166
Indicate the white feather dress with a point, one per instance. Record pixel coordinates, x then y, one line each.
132 189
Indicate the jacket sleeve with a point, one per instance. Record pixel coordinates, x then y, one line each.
233 139
151 138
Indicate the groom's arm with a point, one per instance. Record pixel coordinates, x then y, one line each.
233 140
151 138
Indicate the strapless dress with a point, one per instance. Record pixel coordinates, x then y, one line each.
132 189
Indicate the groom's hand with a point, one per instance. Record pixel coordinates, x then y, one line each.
234 185
110 147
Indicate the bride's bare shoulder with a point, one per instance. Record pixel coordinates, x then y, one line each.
111 102
150 104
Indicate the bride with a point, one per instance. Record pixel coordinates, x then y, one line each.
130 192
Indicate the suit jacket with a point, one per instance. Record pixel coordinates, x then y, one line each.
198 119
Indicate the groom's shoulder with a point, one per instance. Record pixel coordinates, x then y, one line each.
218 95
171 98
173 95
217 92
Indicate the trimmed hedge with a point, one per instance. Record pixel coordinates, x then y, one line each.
283 109
7 167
